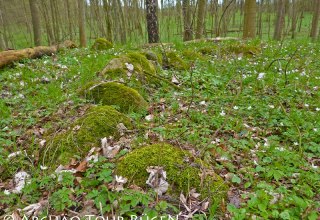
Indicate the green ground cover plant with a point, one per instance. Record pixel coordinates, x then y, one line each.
253 118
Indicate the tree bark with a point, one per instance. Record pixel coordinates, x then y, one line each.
250 8
279 20
315 20
82 25
200 17
35 16
152 21
186 10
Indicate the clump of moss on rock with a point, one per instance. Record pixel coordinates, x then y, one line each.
102 44
244 49
191 55
181 176
85 133
112 93
144 71
173 61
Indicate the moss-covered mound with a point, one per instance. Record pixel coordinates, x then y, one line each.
116 94
151 56
244 49
102 44
85 133
208 50
182 174
172 61
191 55
143 70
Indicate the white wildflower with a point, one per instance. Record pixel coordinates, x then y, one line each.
261 76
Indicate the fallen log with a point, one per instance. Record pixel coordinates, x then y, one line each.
11 56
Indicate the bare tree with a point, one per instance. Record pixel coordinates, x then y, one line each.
279 20
186 10
200 17
35 22
315 20
152 21
82 26
249 29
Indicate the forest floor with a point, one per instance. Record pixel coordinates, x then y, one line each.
249 110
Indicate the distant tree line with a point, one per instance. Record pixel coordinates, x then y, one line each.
25 23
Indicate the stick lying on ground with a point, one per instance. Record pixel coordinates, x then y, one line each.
11 56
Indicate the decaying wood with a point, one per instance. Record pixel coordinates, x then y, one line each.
11 56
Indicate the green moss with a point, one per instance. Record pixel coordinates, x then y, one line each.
180 175
191 55
111 93
102 44
243 48
141 62
85 133
151 56
144 70
207 50
175 62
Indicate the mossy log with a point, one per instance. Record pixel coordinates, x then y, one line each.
11 56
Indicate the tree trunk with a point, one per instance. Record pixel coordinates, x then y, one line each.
249 29
279 20
152 21
69 17
106 7
315 20
294 19
35 16
200 17
82 25
186 10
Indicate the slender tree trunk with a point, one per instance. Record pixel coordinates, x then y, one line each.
49 32
106 7
152 21
200 17
82 26
294 19
35 16
261 6
3 32
69 17
123 33
186 9
315 20
249 30
279 20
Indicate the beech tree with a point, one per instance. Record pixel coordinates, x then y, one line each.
186 10
35 22
249 29
201 18
152 21
315 20
82 28
279 20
